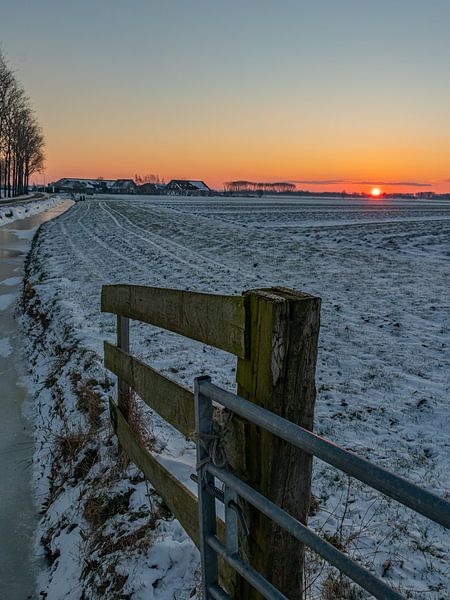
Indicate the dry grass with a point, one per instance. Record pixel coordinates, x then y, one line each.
89 402
75 377
83 467
28 292
139 539
99 509
138 422
31 306
321 579
314 506
70 444
338 587
105 550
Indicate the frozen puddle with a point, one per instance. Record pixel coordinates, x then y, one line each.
6 300
18 513
7 253
11 281
5 347
24 234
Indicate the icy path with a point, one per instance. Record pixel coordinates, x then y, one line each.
17 511
381 269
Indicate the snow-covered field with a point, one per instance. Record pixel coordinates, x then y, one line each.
381 269
17 210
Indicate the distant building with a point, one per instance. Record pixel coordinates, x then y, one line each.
185 187
151 188
94 186
124 186
78 185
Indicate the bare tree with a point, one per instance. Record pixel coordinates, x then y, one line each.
21 138
139 179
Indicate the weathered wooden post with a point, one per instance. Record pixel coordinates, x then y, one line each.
123 389
123 342
280 376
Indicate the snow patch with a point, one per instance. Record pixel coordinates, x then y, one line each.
5 347
6 300
11 281
15 211
24 234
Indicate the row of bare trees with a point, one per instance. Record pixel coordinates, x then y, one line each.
21 139
141 179
252 186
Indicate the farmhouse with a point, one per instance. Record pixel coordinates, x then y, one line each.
90 186
124 186
151 188
75 184
185 187
182 187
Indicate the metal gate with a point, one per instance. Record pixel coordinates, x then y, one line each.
398 488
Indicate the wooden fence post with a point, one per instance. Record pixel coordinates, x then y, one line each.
280 376
123 342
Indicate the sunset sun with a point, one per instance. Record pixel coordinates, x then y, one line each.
375 192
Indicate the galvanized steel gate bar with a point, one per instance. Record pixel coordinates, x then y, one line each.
398 488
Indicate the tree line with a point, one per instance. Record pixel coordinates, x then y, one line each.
252 186
141 179
21 138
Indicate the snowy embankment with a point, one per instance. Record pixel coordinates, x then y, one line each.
382 272
17 210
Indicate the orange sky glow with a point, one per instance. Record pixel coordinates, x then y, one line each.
351 150
331 100
353 169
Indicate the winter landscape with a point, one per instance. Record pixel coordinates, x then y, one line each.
382 373
224 300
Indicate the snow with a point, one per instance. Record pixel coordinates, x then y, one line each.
11 281
381 269
15 211
28 196
5 347
200 185
24 234
6 300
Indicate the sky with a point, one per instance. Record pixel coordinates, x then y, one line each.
329 94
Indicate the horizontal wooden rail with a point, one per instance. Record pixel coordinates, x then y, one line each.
213 319
172 401
181 501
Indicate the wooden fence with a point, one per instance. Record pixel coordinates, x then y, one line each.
274 334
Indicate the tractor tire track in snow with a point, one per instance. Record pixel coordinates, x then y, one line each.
171 246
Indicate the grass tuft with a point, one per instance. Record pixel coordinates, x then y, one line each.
89 402
99 509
